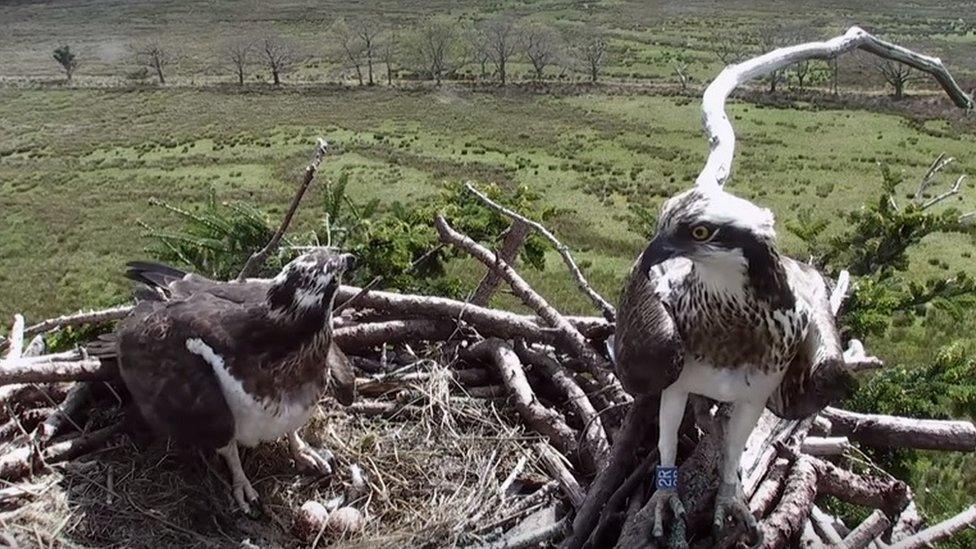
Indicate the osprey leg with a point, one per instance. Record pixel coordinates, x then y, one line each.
730 502
665 497
244 493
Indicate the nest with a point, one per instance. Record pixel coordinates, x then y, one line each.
440 467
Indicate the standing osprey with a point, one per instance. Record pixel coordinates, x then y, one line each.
711 308
217 364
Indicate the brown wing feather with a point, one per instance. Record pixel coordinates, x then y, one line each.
175 391
343 377
647 347
817 376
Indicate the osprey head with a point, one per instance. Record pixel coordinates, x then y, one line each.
306 286
719 233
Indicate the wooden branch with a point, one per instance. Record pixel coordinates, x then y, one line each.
534 538
488 322
26 420
511 246
718 128
841 289
556 468
571 337
825 446
937 166
950 193
608 311
89 369
258 258
542 420
857 360
888 495
908 521
372 408
77 397
77 319
824 525
622 457
15 341
940 532
809 538
789 516
364 336
769 489
900 432
18 463
595 441
867 531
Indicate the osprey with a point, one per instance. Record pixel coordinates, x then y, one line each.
218 364
711 308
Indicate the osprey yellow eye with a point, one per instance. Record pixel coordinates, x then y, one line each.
700 232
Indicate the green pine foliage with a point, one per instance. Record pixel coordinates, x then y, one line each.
398 245
875 247
217 240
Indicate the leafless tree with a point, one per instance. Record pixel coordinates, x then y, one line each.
279 55
503 40
771 36
801 71
898 75
436 47
591 50
238 52
389 50
542 47
368 30
833 66
731 50
681 71
478 46
353 51
153 55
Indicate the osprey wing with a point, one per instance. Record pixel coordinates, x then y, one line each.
175 284
175 390
647 346
817 375
342 376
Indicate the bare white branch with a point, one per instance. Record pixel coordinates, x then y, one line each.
841 289
951 192
16 338
719 129
940 532
929 177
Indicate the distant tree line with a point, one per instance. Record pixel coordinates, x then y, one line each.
440 47
436 49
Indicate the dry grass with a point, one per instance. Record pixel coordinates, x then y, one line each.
434 480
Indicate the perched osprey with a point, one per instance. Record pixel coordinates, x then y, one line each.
217 364
711 308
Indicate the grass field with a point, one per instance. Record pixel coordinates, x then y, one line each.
79 164
78 167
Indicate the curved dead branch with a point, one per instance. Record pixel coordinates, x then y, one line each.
541 419
570 336
258 258
608 311
718 128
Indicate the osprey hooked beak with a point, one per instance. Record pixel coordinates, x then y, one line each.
661 249
347 262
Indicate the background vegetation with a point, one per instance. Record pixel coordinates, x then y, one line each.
87 166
